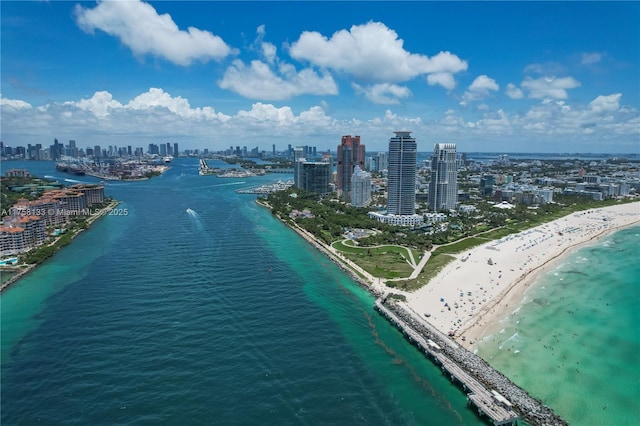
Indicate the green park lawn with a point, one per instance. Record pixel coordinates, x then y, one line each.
383 262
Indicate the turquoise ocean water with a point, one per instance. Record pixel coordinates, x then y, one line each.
575 341
198 307
216 315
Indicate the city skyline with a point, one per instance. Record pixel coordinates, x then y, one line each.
505 77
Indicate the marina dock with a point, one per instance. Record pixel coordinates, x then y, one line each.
490 392
266 188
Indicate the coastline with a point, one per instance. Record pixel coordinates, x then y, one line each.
471 295
530 408
340 261
25 270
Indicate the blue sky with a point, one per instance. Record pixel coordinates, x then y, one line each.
488 76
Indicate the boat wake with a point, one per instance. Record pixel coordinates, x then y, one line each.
228 184
196 219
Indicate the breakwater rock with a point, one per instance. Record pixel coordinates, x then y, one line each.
532 410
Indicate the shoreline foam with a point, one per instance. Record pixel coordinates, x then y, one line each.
493 290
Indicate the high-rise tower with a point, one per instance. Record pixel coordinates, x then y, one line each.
360 188
443 188
401 183
350 154
298 159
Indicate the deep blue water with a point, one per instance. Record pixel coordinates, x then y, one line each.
216 315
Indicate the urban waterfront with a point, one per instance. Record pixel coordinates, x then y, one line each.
198 305
221 315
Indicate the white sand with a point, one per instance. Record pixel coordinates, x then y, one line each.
478 294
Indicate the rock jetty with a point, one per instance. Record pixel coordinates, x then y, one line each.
532 410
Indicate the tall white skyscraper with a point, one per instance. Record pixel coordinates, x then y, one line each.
443 188
383 161
360 188
401 178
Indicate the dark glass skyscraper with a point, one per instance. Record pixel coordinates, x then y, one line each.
401 178
315 177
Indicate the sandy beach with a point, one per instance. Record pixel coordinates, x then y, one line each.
473 293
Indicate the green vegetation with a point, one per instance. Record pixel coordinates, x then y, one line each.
331 217
10 197
379 254
152 173
461 245
250 164
383 264
400 297
383 261
42 253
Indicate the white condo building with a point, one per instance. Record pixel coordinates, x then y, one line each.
443 187
360 188
401 182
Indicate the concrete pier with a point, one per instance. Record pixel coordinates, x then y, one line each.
489 391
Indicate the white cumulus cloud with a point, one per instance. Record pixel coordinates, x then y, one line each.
443 79
260 81
273 79
372 52
479 89
513 91
268 113
384 93
139 26
606 103
483 84
549 87
100 104
156 115
158 98
14 103
268 50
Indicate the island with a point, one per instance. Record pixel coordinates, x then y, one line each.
119 169
40 216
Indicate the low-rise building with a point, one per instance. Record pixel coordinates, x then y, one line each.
17 173
398 219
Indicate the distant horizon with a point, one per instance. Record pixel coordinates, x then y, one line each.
496 76
520 153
